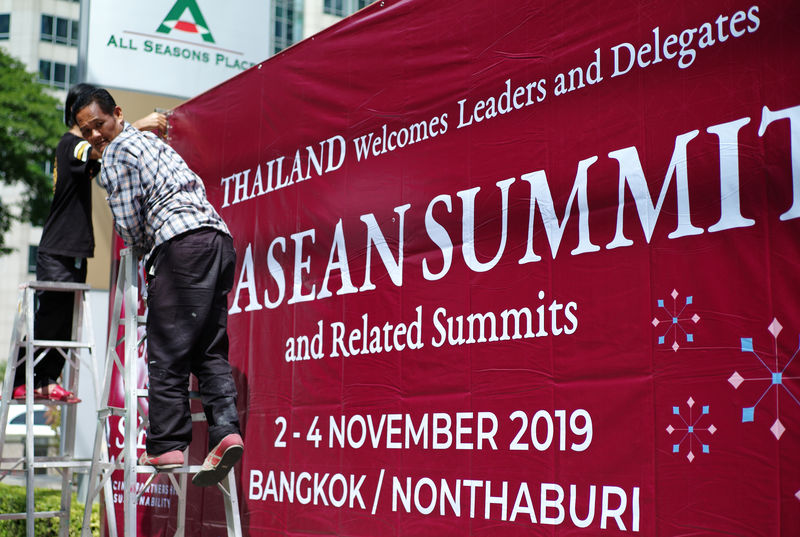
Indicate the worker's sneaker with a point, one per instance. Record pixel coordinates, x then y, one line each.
165 461
219 461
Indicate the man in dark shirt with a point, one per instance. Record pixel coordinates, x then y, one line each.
67 241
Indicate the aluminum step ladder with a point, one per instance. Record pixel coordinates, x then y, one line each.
125 314
79 349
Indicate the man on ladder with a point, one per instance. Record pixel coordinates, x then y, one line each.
160 210
67 241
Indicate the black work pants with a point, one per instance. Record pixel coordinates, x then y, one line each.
53 317
187 288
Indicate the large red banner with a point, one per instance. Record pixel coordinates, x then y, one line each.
516 268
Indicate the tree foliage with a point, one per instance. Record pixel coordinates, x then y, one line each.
30 127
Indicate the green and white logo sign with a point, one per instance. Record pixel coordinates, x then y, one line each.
176 19
174 47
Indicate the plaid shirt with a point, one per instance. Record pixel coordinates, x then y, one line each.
153 194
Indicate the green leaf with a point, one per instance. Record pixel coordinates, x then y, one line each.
30 127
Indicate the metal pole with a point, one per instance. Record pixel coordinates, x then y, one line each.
30 508
131 386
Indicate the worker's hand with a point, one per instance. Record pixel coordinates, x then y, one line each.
154 121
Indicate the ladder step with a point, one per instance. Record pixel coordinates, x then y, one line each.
37 514
64 344
47 462
140 469
182 470
57 286
104 413
43 401
143 392
44 462
61 463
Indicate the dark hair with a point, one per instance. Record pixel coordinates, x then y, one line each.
74 92
92 95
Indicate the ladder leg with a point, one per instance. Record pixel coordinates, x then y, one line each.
30 508
25 343
111 363
131 387
66 501
87 334
127 296
102 468
68 414
94 475
181 483
111 513
102 476
11 370
232 519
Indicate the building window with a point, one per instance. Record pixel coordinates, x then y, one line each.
62 30
342 8
47 28
33 251
58 30
5 26
283 33
334 7
57 75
